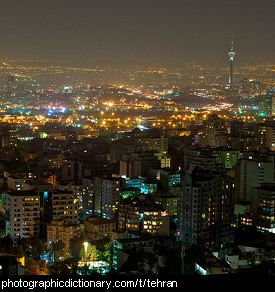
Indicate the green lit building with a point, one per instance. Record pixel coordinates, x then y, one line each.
228 157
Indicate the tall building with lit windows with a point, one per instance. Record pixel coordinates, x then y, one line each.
110 196
270 137
65 206
251 171
205 208
263 207
106 193
214 127
23 214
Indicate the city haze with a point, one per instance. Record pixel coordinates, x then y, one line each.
138 32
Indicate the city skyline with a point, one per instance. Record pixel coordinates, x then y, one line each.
137 138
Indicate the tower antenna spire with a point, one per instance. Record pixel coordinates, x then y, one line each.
232 43
231 55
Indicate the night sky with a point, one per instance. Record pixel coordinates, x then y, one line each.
138 31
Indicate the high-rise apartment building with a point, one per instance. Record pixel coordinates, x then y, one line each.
205 209
251 171
7 136
86 199
23 214
270 137
110 197
65 206
214 127
263 207
106 196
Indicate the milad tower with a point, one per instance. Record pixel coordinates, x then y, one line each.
231 55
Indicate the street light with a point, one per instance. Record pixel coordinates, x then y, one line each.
85 249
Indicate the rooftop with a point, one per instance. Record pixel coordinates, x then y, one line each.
99 221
